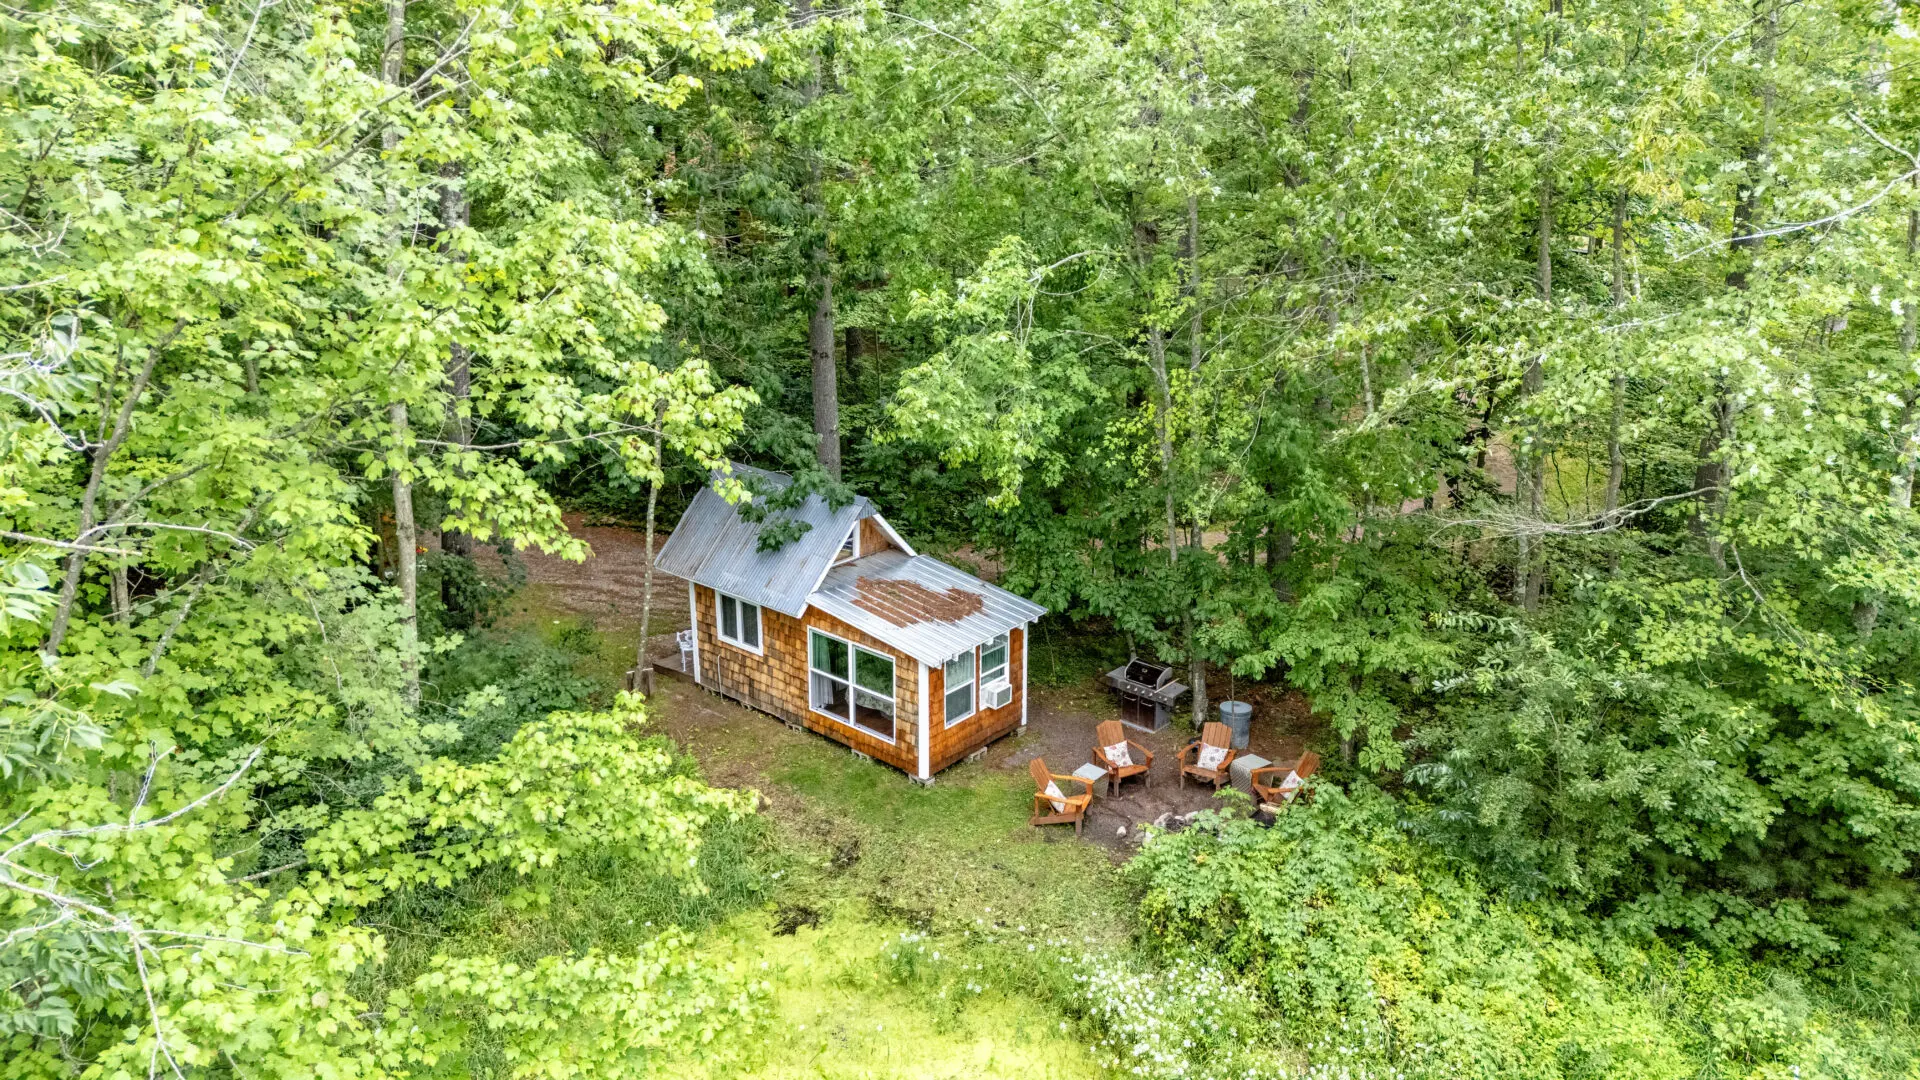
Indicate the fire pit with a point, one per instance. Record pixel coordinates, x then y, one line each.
1147 693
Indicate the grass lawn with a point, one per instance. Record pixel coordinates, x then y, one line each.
812 895
836 1010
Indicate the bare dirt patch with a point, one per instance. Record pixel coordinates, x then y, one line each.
1060 726
605 589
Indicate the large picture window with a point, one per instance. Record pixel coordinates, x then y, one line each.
959 683
873 692
850 684
739 623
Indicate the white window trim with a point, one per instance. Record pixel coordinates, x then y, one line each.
945 690
693 620
1026 630
898 541
759 624
925 737
853 686
1006 661
853 537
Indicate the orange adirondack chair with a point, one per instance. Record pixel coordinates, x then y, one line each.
1139 758
1047 806
1276 785
1216 735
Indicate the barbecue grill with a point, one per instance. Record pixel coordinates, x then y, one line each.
1146 691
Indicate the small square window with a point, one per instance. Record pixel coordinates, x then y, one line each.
739 622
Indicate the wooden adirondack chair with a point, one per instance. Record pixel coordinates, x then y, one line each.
1216 735
1140 758
1270 785
1044 810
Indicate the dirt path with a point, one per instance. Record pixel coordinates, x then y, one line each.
1060 727
606 588
608 584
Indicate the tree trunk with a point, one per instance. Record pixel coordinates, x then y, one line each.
1536 508
459 373
1279 550
1545 254
1619 282
1157 359
406 538
121 594
854 348
646 581
103 452
1531 464
1195 336
1710 473
1366 377
392 58
1294 174
1146 238
1196 661
826 389
1616 454
1900 488
1866 610
405 542
1746 204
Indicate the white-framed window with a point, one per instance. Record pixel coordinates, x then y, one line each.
850 547
851 684
993 661
739 622
958 679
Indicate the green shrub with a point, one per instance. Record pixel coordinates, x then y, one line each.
456 593
1376 953
1188 1019
492 684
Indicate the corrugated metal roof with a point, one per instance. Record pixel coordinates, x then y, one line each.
920 605
715 546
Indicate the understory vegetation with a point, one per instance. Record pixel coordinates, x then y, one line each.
1528 388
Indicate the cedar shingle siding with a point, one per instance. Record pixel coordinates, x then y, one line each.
889 600
776 681
950 744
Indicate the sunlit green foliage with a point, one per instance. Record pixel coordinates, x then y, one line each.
1388 957
1532 387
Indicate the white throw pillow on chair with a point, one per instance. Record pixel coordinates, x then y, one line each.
1117 755
1212 756
1059 797
1290 786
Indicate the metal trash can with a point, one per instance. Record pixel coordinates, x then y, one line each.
1238 716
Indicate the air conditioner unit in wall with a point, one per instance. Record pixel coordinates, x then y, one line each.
994 695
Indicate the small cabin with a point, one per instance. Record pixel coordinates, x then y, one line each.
848 631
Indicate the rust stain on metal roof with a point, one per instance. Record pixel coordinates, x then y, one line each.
904 602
